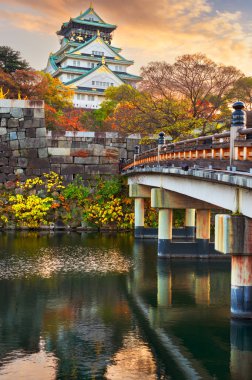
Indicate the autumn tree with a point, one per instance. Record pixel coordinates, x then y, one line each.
194 77
128 110
10 60
242 91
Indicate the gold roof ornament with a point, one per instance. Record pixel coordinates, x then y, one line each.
91 5
98 33
103 60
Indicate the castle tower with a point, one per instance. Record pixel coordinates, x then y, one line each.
86 60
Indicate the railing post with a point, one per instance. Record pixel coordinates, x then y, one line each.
238 121
161 141
137 150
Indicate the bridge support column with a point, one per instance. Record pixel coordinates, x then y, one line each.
190 222
139 217
139 192
203 230
234 236
164 231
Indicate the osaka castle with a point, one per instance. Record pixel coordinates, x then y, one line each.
86 60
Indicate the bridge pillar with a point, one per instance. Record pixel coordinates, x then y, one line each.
190 222
139 216
164 231
139 192
203 230
234 236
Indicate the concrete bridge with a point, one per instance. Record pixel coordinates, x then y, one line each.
204 175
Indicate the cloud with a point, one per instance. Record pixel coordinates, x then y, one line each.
147 30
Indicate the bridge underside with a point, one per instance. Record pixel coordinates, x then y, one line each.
221 195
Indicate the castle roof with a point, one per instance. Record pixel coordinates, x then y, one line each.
87 18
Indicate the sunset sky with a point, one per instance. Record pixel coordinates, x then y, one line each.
147 30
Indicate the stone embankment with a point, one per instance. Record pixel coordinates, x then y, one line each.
28 149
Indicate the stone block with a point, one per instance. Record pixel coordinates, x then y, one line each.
28 112
33 143
3 146
28 123
59 151
108 160
13 135
33 172
2 177
86 160
3 109
61 159
7 153
43 152
7 169
101 169
16 153
85 134
40 132
21 135
56 168
30 153
39 113
3 161
122 153
31 132
100 135
36 123
3 122
52 143
112 135
65 144
81 152
13 161
22 162
17 112
3 130
14 144
79 144
72 169
11 177
13 123
39 163
111 153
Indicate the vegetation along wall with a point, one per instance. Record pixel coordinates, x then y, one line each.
27 149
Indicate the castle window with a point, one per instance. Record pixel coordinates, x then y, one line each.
91 98
95 52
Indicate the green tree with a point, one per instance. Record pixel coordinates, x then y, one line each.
10 60
242 90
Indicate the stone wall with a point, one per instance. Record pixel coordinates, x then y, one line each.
27 149
23 144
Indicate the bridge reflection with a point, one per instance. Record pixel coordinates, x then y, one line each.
185 309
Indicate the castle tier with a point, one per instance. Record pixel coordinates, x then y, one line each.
87 62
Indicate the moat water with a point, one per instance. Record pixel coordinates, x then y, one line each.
103 306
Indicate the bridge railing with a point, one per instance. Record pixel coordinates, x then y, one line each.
205 150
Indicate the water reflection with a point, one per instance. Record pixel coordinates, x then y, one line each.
91 306
241 350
